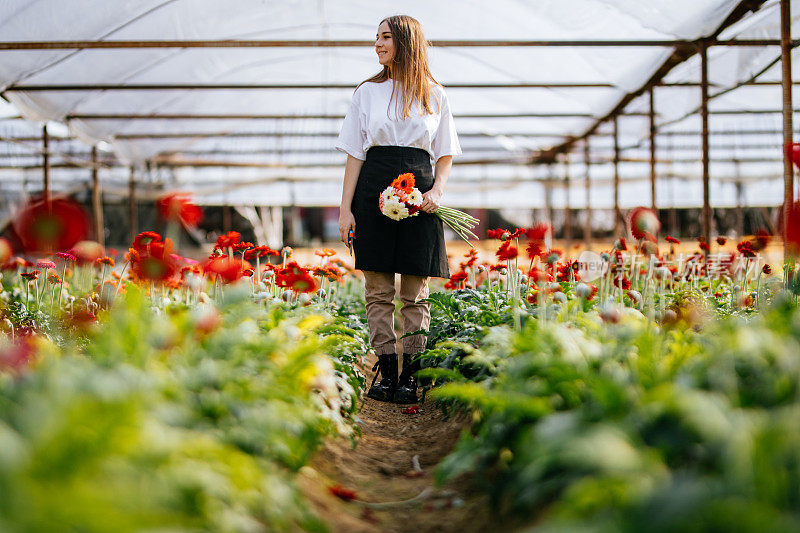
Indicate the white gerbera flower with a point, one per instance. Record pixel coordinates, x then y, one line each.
388 195
395 210
415 198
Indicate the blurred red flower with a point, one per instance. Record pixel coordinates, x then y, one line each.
793 151
537 275
296 278
496 233
229 240
66 256
506 252
143 240
32 275
87 252
325 252
178 207
51 225
82 319
762 238
456 279
5 251
260 251
644 223
535 249
230 269
152 261
792 230
45 263
18 355
538 232
622 282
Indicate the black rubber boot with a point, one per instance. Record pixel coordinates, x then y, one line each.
407 383
384 390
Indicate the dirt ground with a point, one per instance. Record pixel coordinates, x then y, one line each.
391 495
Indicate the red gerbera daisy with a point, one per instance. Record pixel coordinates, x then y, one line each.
155 263
143 240
404 182
228 240
296 278
496 233
506 252
230 269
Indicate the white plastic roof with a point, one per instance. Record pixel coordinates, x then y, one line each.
299 165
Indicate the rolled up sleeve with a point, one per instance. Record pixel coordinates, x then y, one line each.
445 141
352 135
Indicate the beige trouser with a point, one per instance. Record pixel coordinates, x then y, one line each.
380 291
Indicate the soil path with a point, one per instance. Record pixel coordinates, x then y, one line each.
392 494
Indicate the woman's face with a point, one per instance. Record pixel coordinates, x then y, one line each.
384 44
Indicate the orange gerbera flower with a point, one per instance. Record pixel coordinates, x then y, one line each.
404 182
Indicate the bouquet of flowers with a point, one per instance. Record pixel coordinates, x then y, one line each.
402 200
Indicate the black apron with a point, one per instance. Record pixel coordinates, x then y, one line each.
414 245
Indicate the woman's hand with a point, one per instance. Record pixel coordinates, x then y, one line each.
346 222
430 200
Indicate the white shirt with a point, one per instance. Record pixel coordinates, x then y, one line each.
367 123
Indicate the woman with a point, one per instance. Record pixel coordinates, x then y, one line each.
399 121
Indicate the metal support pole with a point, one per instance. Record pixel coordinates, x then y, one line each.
45 164
567 209
587 228
617 211
739 209
652 148
132 211
548 198
97 200
226 218
786 63
704 134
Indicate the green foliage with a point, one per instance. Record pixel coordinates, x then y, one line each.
164 423
596 426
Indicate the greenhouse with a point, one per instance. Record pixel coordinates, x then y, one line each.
596 230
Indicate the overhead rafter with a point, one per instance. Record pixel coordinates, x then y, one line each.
294 86
121 44
680 54
235 116
338 116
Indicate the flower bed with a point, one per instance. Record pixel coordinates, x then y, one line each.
150 391
661 397
636 389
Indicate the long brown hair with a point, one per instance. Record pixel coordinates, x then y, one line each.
409 67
